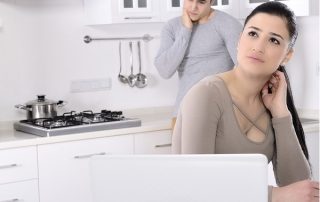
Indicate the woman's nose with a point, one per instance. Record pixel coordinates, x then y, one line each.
259 46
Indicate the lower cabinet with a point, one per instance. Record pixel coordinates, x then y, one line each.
25 191
19 175
156 142
64 170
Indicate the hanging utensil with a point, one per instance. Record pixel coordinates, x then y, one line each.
121 77
141 78
131 78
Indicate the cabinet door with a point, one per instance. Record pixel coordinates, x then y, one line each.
300 7
18 164
158 142
128 11
26 191
121 11
171 9
229 6
64 172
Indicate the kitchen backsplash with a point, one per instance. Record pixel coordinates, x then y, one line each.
42 52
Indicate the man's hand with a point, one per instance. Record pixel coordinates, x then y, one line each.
186 21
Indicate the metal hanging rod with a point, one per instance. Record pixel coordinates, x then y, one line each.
146 38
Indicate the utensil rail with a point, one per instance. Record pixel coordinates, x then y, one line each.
146 38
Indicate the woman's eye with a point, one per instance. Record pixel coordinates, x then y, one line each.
275 41
253 34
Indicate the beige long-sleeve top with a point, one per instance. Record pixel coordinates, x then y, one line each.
206 124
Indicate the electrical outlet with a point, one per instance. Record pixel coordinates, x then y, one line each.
89 85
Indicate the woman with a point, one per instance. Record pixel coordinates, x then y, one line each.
250 109
192 43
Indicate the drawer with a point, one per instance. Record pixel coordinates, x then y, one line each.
26 191
18 164
157 142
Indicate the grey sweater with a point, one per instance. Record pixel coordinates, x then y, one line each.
206 124
209 48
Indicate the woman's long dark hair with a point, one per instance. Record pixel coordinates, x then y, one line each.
281 10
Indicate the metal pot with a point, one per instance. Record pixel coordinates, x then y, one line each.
41 108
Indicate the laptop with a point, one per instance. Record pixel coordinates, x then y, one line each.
180 178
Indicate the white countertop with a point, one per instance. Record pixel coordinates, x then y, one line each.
153 119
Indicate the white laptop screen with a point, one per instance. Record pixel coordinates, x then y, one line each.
180 178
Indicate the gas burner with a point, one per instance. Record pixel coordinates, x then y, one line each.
73 122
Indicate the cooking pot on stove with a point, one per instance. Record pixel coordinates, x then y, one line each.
41 107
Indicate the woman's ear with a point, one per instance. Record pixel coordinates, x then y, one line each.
287 57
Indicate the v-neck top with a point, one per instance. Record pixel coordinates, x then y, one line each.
206 124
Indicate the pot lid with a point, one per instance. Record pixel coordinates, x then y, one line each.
41 101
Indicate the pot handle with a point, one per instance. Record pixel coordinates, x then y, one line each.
19 106
61 103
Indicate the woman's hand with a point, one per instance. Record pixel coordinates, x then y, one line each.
302 191
276 100
186 21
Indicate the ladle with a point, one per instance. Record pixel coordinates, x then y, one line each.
121 77
141 78
131 78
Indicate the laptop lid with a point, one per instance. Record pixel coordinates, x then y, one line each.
180 178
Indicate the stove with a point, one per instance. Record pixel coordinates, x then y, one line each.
73 122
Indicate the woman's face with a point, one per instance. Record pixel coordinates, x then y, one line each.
264 44
197 9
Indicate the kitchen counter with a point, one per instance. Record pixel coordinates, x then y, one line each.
153 119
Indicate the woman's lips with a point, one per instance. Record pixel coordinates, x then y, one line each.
255 59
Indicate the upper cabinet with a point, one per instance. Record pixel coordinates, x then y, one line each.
121 11
141 11
300 7
228 6
173 8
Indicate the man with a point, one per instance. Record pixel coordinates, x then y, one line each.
199 43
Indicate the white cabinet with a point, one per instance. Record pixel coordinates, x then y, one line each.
173 8
156 142
26 191
64 170
229 6
138 11
300 7
18 164
121 11
19 175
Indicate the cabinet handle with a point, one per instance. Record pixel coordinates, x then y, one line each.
138 18
11 200
89 155
163 145
8 166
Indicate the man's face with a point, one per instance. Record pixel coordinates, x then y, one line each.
197 9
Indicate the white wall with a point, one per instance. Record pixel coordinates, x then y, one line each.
42 51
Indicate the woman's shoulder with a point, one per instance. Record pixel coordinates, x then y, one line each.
211 85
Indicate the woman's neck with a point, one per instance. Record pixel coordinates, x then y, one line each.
243 87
